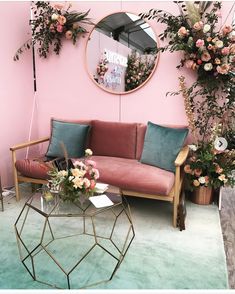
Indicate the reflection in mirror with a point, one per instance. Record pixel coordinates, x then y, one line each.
121 52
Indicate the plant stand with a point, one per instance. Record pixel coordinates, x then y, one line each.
202 195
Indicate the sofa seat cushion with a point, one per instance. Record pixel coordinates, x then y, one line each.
33 168
132 175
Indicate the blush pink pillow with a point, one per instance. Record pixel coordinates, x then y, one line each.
115 139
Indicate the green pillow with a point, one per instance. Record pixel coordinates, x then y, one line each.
162 145
73 135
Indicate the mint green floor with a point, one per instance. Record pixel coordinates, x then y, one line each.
160 257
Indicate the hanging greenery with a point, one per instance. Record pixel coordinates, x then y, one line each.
50 24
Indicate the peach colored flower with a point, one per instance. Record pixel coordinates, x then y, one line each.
200 43
227 29
222 178
61 20
205 56
196 183
223 69
209 39
189 63
68 35
217 61
198 26
182 32
197 172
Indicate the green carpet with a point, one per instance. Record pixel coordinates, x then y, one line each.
160 257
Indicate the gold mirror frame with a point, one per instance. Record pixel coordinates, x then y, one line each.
93 73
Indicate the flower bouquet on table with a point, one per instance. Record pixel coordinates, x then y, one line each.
75 183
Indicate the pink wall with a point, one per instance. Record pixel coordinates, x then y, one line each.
65 89
16 92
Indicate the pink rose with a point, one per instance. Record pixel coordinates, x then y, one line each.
198 26
182 32
59 28
225 51
205 56
223 69
200 43
227 29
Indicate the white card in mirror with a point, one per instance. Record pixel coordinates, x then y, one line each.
101 201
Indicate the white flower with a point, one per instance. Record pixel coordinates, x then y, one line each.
193 147
206 28
54 16
88 152
208 66
202 180
62 173
219 44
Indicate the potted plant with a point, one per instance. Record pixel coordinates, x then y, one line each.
209 167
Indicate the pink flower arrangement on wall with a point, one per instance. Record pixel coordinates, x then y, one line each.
51 23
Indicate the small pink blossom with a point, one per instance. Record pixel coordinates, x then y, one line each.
225 51
227 29
182 32
59 28
200 43
223 69
205 56
198 26
91 163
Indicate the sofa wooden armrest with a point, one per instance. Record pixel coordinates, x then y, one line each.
182 156
29 143
13 150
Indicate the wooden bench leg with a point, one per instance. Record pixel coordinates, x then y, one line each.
15 176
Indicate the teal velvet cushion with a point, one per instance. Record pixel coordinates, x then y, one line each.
162 145
73 135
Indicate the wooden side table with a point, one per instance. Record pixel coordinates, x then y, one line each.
1 196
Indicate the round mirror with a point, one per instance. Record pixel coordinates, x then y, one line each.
121 53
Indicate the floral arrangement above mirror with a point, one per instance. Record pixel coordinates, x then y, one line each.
121 53
50 24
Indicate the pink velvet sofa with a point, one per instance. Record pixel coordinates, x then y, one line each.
117 149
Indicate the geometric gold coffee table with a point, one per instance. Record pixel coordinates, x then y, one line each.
69 245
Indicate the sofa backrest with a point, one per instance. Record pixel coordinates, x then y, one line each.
116 139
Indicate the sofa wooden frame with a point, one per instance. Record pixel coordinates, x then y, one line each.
173 196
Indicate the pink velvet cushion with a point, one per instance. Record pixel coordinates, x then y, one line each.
113 139
33 168
132 175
